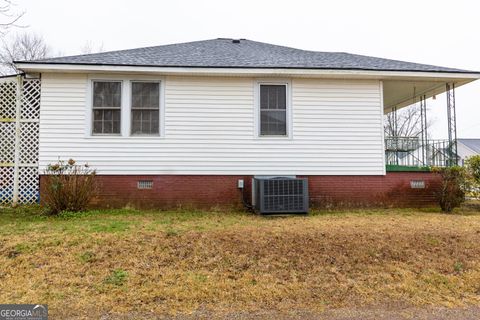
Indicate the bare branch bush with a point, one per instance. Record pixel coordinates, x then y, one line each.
69 186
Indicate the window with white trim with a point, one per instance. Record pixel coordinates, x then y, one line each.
106 107
145 108
273 109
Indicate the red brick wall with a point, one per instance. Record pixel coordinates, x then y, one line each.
392 189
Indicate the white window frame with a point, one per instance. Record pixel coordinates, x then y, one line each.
159 108
92 110
125 113
257 111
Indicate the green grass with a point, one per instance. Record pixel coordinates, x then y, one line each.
117 277
28 219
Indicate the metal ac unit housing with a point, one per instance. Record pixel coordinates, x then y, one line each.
281 195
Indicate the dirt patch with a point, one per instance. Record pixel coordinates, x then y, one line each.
429 313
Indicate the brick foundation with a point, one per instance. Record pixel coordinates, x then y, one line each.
169 191
391 190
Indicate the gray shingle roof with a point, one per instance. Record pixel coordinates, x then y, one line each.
473 144
224 53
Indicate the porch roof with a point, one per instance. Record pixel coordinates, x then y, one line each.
404 92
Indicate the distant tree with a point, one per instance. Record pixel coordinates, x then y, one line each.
408 122
22 46
9 17
90 47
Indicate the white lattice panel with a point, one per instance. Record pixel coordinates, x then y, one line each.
31 99
6 185
28 191
28 142
8 98
26 168
7 142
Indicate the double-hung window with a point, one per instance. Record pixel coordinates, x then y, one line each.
273 110
106 105
145 106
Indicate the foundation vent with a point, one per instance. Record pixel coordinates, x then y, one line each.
144 184
417 184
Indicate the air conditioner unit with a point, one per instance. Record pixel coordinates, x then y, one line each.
281 195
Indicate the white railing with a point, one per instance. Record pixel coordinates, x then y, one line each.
411 151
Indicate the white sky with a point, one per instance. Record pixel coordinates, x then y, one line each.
438 32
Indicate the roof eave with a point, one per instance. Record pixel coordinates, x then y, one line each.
247 71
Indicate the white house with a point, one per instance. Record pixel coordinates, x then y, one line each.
467 148
189 120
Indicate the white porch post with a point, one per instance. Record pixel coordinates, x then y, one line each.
16 163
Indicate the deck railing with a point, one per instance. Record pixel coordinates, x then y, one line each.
411 151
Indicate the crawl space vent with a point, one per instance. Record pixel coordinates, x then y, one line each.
417 184
144 184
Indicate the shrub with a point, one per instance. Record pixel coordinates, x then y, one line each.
69 187
453 186
472 164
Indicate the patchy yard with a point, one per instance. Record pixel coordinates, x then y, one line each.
136 263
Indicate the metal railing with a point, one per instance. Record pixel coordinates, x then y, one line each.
412 152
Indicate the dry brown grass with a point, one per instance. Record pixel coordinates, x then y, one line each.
176 262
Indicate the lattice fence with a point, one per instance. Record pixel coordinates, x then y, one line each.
19 125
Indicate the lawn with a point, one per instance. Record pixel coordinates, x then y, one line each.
155 262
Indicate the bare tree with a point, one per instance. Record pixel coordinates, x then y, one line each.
23 46
90 47
9 17
408 122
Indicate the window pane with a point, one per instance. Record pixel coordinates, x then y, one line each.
145 107
273 122
145 95
107 115
273 97
97 127
107 97
273 110
97 115
116 126
107 94
106 121
145 122
107 127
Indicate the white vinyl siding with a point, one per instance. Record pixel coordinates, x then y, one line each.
209 128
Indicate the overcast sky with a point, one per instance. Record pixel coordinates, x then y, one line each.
444 33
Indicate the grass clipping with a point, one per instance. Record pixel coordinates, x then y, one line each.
171 263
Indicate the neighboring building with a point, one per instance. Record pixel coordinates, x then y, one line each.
467 148
191 119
